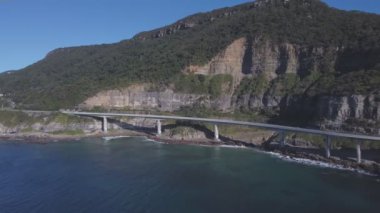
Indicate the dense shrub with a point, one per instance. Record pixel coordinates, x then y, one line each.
68 76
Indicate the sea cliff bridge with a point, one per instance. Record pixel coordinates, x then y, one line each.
282 130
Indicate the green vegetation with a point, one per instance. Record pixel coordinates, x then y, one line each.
3 103
220 84
65 119
285 84
253 86
14 118
182 131
66 77
25 121
202 111
197 84
361 82
202 84
69 132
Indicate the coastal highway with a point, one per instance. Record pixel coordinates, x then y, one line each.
279 128
28 111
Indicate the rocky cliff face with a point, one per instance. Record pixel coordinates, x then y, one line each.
255 56
341 108
248 58
139 99
229 61
331 111
357 112
243 58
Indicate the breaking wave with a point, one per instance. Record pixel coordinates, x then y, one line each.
321 164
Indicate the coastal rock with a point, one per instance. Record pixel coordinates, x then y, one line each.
248 58
229 61
137 99
2 129
185 133
355 110
245 57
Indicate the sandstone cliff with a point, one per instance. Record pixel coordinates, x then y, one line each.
254 56
249 60
139 98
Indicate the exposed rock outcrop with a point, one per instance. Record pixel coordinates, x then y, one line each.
138 98
188 133
247 56
358 112
230 61
344 107
250 58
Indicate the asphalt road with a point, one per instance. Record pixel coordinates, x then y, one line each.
232 122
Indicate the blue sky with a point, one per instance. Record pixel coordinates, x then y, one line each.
32 28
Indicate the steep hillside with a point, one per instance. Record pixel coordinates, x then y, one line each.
297 57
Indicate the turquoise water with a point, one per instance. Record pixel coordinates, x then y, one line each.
136 175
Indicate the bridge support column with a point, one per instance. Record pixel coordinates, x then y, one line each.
159 127
358 151
216 132
105 125
328 146
282 139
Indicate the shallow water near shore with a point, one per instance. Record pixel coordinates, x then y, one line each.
137 175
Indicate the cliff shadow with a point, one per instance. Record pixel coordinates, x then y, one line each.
298 111
127 126
284 58
352 60
208 133
248 57
195 125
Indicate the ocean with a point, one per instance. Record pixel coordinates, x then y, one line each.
138 175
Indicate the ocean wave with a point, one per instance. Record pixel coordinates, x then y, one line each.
114 137
233 146
151 140
321 164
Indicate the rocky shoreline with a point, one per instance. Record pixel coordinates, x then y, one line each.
368 167
47 138
39 138
287 153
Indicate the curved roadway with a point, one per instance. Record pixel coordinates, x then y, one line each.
232 122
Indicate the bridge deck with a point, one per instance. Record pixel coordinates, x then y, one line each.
232 122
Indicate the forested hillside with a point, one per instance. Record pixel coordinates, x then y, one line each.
349 64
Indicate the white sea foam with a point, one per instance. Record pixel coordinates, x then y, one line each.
321 164
233 146
151 140
114 137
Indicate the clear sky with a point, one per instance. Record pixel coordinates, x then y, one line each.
29 29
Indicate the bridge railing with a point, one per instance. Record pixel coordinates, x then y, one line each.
278 128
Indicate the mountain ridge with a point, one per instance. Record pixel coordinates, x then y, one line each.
293 51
